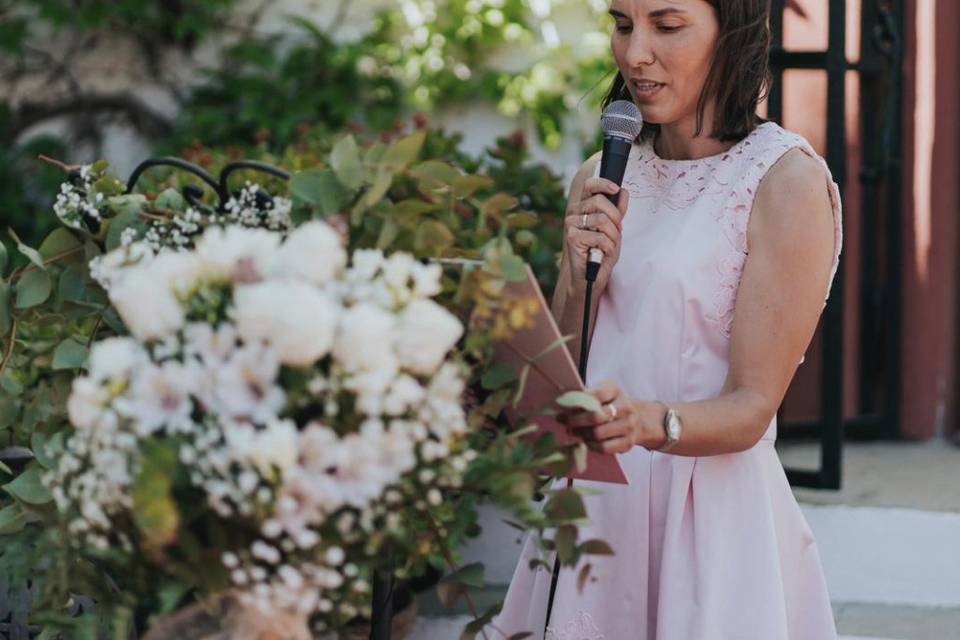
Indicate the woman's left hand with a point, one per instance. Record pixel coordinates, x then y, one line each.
623 423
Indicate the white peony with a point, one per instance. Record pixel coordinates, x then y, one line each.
180 272
116 359
245 385
159 397
295 318
365 339
235 251
149 309
424 335
312 253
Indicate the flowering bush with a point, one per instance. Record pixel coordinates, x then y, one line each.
252 411
285 390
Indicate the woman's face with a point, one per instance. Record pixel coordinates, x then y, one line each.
664 49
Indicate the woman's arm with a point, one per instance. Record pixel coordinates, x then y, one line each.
779 302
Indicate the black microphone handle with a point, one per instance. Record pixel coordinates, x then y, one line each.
613 162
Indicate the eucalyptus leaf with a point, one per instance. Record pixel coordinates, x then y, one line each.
121 223
434 174
566 505
466 186
28 487
345 160
381 184
566 543
127 204
59 241
69 354
33 288
170 199
388 233
580 400
12 519
73 285
32 254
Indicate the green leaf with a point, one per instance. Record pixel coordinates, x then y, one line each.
130 204
597 547
119 224
33 288
498 375
345 160
69 354
388 233
413 209
434 174
522 220
498 204
566 543
319 187
580 400
170 199
566 505
401 153
12 519
433 237
514 268
58 242
4 258
41 445
73 285
32 254
28 487
154 509
466 186
379 188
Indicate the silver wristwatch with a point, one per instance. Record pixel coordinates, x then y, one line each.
673 427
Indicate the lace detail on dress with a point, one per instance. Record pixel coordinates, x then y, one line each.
581 627
725 296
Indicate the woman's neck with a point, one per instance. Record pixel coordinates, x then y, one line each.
677 141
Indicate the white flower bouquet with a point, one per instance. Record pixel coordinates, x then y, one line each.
273 414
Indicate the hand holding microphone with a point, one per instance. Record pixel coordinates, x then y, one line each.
594 220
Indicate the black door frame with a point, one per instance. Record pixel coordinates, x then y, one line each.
880 74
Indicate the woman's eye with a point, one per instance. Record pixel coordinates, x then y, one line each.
666 28
624 28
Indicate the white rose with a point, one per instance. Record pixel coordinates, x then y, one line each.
226 250
424 335
116 358
180 272
364 338
366 262
244 386
405 392
296 318
426 279
312 253
148 308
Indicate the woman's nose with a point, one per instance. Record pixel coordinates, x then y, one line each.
640 52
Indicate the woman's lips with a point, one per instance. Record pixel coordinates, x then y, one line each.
646 88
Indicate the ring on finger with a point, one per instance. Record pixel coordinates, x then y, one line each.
613 409
583 221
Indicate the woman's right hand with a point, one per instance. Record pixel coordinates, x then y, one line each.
604 224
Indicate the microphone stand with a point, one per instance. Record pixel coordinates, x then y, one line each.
593 268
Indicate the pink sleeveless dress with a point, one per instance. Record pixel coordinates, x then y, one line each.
710 548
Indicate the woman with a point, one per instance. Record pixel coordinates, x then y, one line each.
718 263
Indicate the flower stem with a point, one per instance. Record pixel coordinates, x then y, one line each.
13 339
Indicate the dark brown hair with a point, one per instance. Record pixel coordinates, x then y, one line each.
739 74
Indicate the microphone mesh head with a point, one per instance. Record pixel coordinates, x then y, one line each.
622 119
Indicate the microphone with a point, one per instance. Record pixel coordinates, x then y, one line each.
621 123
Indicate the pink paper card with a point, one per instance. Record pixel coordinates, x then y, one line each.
550 372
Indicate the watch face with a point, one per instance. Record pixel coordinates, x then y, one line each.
673 426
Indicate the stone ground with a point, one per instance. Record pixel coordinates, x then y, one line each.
915 482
